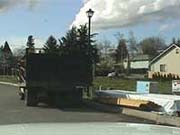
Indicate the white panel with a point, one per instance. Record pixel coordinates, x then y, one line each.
140 64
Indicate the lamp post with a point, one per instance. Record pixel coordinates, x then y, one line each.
90 14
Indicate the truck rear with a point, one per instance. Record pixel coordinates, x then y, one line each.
54 78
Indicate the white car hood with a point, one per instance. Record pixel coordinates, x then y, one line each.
87 129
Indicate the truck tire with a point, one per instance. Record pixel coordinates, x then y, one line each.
30 98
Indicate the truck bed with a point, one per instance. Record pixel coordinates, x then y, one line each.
53 71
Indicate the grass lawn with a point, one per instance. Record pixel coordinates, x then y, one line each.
7 78
127 84
107 83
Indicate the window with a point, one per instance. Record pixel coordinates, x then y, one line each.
163 68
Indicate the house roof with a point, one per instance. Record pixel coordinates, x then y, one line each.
163 53
6 48
139 57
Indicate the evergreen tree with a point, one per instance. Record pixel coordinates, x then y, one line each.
178 41
174 40
83 38
30 42
76 42
69 43
91 50
1 56
51 46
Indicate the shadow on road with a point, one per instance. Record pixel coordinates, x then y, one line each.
67 108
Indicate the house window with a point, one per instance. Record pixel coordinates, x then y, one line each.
177 51
163 68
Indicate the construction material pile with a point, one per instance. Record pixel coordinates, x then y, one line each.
167 104
131 103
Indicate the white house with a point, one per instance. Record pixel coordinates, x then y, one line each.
138 62
167 62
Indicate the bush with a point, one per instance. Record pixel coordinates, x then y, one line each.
159 76
173 77
165 77
154 76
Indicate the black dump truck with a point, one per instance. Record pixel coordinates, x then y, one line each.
59 79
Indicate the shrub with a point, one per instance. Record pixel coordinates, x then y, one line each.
154 76
173 77
165 77
158 76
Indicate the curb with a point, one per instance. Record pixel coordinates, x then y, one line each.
159 119
10 84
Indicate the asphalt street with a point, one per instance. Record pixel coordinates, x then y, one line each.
14 111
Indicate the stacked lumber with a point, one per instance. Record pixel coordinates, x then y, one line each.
131 103
168 104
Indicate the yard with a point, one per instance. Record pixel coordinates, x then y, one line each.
8 78
127 84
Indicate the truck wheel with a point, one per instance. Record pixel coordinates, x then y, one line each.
30 98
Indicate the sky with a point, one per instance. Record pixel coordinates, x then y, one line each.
42 18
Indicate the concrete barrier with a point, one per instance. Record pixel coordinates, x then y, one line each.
159 119
175 121
140 114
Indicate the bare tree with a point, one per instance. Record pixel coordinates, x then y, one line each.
132 44
152 45
121 51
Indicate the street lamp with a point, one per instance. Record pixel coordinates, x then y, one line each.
90 14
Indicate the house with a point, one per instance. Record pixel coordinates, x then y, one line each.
167 62
6 50
138 63
6 60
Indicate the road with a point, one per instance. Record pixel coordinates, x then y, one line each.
13 111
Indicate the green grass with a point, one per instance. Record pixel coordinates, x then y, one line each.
122 84
127 84
165 86
7 78
107 83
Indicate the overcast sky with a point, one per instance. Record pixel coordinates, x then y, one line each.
41 18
